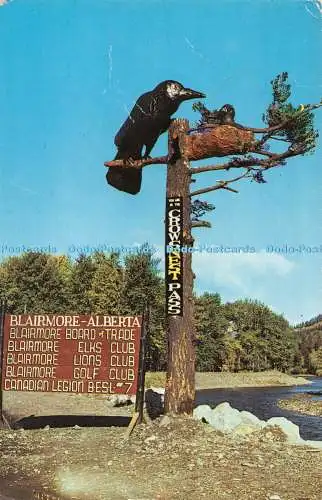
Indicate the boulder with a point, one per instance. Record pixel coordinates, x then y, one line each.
158 390
203 412
250 419
123 400
224 418
244 429
154 403
120 400
291 430
112 400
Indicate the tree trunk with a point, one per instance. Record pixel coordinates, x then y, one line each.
180 385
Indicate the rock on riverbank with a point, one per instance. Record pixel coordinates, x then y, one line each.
229 420
302 403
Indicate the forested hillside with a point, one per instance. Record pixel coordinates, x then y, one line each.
243 335
309 336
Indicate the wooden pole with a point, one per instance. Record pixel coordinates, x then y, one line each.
139 401
138 415
3 310
180 384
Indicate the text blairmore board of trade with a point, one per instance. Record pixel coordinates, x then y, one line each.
71 353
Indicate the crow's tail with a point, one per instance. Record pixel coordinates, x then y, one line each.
125 179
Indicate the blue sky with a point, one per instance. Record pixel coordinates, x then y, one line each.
71 70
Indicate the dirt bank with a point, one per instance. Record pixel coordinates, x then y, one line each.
213 380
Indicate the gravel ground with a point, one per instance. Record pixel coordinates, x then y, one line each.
169 459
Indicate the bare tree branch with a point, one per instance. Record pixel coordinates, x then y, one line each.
264 153
159 160
230 189
235 163
272 161
221 185
279 139
200 223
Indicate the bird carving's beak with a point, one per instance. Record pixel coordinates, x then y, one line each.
191 94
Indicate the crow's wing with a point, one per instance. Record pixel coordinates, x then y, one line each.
139 117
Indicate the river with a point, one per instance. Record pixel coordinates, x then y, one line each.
262 401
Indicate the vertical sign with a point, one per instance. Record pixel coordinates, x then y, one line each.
173 257
71 353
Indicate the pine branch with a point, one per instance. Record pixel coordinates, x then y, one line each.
267 130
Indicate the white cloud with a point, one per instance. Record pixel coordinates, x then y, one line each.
240 273
239 270
287 285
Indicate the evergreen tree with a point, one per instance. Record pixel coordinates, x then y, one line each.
143 285
80 284
309 340
266 338
253 355
107 283
141 279
315 361
33 283
210 328
233 354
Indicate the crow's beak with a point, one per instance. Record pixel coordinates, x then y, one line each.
191 94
